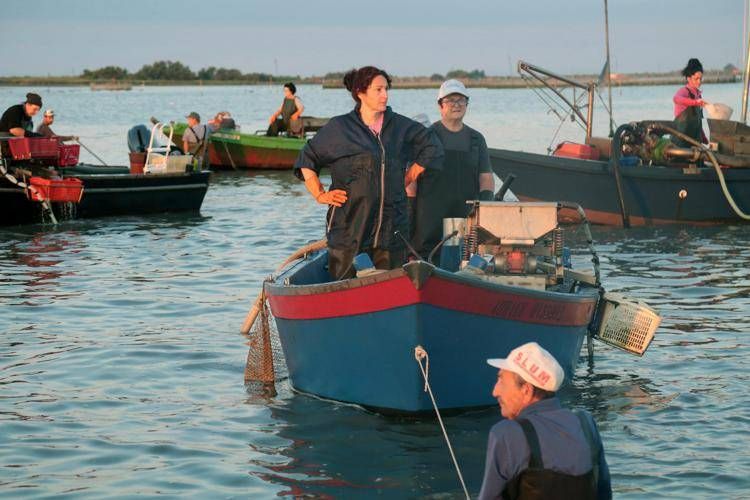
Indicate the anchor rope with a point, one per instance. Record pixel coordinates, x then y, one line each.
419 355
229 155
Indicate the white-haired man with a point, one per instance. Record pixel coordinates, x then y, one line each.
540 450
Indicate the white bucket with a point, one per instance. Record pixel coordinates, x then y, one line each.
718 111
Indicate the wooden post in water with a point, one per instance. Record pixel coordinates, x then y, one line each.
746 81
609 69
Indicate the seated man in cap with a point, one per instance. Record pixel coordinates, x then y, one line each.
466 174
194 137
542 450
17 119
45 129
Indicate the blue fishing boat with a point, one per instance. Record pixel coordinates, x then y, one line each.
354 340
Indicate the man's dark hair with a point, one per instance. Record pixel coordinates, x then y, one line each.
357 81
537 392
292 88
35 99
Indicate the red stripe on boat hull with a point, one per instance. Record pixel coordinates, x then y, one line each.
400 292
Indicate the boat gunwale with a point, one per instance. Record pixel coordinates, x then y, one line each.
411 270
601 167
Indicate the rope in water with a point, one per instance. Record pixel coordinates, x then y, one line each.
229 155
419 355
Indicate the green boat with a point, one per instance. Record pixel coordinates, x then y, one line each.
232 149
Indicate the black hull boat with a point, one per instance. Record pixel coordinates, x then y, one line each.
649 173
108 191
652 194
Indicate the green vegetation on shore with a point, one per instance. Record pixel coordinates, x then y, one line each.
176 73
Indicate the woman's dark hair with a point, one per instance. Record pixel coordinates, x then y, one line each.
292 88
358 80
693 66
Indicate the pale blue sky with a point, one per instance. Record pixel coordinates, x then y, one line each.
406 37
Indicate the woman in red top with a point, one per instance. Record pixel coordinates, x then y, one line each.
688 104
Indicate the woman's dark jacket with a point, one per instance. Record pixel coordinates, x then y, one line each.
371 169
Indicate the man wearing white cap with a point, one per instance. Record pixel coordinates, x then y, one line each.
466 174
541 450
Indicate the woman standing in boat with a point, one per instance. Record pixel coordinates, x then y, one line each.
688 104
368 152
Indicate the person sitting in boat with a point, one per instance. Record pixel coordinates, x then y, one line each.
194 136
287 117
367 152
45 128
688 101
222 121
16 120
540 450
466 174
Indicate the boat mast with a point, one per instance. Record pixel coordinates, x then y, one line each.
746 76
609 72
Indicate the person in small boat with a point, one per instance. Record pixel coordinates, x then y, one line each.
368 152
540 449
45 128
16 120
688 104
222 121
287 117
466 173
195 134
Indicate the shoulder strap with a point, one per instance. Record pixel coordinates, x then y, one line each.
535 462
692 96
593 447
197 139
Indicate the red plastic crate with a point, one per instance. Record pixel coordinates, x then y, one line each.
68 155
70 189
574 150
25 148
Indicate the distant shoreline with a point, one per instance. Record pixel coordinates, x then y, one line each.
495 82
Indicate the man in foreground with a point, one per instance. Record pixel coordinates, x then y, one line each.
541 450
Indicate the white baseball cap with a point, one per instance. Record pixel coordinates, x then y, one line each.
533 364
49 112
452 87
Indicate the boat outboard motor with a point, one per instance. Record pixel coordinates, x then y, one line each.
138 138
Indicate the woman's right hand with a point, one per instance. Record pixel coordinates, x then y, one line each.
702 103
335 197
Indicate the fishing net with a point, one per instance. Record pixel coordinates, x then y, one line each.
265 358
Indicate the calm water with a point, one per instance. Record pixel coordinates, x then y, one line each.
121 369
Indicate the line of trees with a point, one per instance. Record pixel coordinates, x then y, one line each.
176 71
